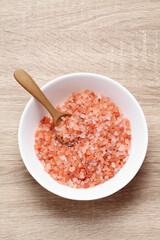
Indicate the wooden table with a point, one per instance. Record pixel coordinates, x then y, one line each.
116 38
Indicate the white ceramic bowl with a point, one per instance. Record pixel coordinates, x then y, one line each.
57 91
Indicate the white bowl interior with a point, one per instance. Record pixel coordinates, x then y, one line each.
57 91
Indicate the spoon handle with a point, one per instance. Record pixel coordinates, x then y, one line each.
29 84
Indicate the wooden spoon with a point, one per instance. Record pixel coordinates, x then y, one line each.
29 84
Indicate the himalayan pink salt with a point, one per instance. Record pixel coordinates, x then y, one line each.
102 137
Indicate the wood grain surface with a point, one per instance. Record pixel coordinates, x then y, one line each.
116 38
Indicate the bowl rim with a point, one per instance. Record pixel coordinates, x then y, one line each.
74 75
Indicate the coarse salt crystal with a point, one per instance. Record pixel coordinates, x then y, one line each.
80 154
63 118
75 179
82 135
81 175
82 116
114 139
102 160
99 129
63 158
71 169
113 165
108 118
